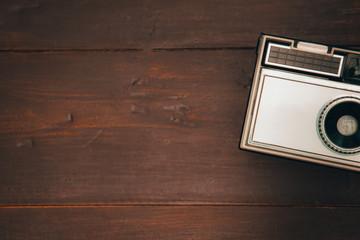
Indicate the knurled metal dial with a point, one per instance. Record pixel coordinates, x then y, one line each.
322 128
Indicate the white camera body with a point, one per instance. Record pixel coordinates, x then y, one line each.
305 103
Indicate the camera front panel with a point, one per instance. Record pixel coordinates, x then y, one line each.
288 113
305 103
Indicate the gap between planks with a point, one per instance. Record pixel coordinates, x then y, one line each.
179 205
115 50
120 50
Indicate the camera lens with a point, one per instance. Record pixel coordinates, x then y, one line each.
339 125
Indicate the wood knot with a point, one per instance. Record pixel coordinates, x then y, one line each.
138 81
139 109
177 97
181 109
176 120
26 143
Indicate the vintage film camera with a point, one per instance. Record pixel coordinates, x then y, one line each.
305 103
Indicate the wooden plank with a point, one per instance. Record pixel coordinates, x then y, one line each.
144 24
143 127
192 222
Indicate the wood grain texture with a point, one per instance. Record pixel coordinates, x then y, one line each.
143 127
121 120
176 222
144 24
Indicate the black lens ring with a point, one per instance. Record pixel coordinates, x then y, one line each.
331 120
327 125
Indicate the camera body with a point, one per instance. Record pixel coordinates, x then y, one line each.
305 103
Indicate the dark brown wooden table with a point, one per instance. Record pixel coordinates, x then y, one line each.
121 120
